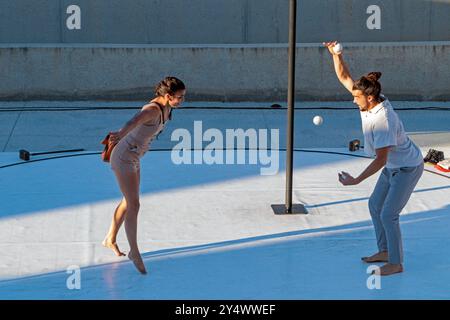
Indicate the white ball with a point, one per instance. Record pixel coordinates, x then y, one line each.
318 120
337 48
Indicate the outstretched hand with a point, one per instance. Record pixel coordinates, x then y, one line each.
346 179
330 46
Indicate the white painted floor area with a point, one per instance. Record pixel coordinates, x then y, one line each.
208 232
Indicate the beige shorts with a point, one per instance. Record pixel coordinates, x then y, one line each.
125 157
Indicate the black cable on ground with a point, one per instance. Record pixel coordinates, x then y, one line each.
49 158
64 109
235 149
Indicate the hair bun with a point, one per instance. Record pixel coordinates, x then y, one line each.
169 85
374 76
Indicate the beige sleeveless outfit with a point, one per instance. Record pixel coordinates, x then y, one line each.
126 155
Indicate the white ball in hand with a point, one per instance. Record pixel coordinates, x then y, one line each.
318 120
337 48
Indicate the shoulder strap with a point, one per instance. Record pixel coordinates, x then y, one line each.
160 109
162 112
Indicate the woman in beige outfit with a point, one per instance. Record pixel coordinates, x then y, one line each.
132 143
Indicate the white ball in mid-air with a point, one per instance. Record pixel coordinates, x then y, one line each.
318 120
337 48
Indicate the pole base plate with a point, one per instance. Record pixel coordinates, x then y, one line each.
280 209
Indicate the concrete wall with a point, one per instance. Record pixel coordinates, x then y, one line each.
411 71
220 21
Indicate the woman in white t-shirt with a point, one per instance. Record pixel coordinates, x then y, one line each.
400 158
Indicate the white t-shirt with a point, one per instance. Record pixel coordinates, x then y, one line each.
383 128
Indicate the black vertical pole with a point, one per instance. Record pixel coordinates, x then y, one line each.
291 101
288 207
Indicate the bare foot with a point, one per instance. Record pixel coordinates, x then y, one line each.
377 257
112 245
389 269
138 263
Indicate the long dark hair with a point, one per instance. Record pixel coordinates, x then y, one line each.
369 85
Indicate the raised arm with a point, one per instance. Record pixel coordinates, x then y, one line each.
340 67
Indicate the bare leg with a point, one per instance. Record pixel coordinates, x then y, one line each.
117 220
129 185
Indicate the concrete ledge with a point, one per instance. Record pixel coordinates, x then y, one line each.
411 71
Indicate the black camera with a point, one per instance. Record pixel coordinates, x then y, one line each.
354 145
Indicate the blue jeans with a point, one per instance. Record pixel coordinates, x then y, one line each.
391 193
